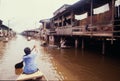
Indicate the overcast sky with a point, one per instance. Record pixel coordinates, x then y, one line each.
25 14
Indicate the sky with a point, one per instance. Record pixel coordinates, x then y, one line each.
23 15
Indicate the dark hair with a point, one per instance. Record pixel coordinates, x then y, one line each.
27 50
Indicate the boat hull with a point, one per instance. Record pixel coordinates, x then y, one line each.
37 76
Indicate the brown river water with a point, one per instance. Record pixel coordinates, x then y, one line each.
59 64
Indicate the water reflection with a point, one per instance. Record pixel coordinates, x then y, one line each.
59 64
78 65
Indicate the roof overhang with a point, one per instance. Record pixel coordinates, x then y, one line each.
44 21
83 6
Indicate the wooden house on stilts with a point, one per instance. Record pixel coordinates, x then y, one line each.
87 20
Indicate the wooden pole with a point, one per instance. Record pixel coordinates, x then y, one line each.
91 19
118 12
72 18
82 43
76 43
103 47
113 12
91 12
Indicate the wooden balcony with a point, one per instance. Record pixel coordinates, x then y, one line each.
102 31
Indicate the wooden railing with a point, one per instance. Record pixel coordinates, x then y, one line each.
104 30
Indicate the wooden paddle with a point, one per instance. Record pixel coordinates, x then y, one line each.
20 64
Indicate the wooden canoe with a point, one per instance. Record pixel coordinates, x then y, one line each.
37 76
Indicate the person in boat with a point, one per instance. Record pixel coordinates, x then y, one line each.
29 60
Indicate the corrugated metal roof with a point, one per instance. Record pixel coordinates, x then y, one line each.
83 6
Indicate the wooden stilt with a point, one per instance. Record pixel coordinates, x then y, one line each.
76 43
103 47
82 43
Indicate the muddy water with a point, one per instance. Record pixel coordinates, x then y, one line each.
59 64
